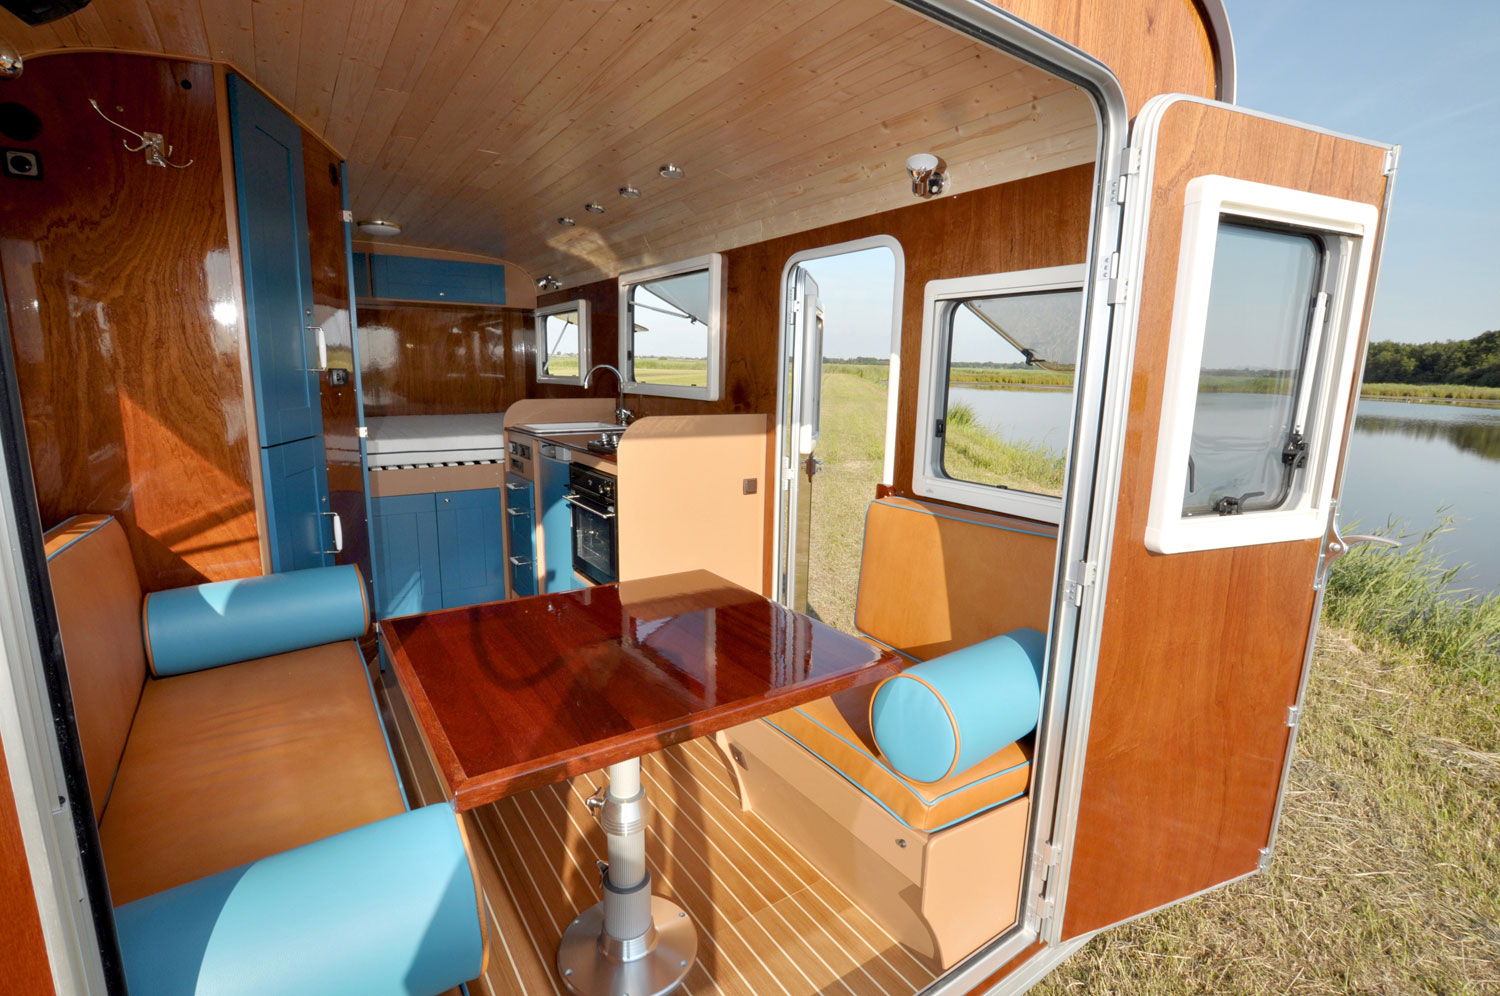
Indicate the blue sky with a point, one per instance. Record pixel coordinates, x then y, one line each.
1422 75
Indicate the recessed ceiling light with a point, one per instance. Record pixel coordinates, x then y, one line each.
378 226
672 171
629 191
566 222
594 207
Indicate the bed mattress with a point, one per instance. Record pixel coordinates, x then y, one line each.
428 440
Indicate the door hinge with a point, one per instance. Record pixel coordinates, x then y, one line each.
1293 716
1085 574
1049 860
348 217
364 432
1119 286
1133 160
1265 859
1392 160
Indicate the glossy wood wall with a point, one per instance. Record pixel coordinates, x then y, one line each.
123 310
331 304
431 359
23 966
1188 731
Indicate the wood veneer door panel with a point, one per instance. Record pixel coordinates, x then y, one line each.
1201 652
24 967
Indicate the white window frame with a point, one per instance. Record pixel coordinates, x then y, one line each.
585 333
928 478
1304 514
714 264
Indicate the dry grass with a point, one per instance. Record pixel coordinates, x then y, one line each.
1386 877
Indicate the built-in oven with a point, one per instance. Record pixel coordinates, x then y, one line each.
595 541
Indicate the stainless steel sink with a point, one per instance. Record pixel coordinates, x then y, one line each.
569 428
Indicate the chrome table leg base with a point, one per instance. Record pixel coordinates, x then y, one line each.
593 963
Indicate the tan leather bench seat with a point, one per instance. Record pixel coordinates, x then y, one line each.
234 764
837 731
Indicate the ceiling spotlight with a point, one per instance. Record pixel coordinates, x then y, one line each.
594 207
548 283
672 171
629 191
378 226
10 60
927 175
566 222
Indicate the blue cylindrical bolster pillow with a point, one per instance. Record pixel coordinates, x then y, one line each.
224 622
386 909
941 717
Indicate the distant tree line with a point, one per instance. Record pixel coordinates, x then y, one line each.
1473 361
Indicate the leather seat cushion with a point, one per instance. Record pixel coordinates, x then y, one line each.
837 731
233 764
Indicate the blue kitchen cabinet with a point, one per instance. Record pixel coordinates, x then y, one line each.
415 278
360 264
557 526
295 476
274 252
408 564
520 525
470 547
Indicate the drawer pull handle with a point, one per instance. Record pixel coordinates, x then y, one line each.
338 533
517 511
516 487
592 510
520 561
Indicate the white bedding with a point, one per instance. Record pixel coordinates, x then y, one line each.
407 440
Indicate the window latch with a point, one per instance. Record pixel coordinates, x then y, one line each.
1294 453
1231 505
940 428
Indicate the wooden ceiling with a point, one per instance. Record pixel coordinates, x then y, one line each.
475 124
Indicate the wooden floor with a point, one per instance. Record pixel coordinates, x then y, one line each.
768 923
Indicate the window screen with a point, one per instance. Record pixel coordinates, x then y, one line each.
1009 394
560 344
1246 443
669 330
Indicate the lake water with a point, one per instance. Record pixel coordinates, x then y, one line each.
1406 461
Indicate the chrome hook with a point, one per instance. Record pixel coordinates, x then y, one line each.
154 144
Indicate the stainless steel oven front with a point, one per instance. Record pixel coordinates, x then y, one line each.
595 540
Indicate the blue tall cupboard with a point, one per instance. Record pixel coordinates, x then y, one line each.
285 360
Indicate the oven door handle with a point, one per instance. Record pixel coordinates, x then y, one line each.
573 499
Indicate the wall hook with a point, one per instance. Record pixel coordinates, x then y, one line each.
152 143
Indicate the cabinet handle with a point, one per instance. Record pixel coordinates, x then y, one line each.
322 339
520 561
587 507
516 487
517 511
338 533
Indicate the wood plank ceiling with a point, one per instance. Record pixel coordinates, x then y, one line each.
476 124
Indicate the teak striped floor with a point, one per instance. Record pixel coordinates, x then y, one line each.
768 923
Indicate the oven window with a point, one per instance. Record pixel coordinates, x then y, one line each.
593 545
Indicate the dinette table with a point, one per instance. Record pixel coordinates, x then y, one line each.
514 695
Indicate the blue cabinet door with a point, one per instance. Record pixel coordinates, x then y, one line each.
470 547
557 527
407 557
520 525
413 278
295 476
278 270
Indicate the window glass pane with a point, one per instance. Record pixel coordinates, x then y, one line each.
669 343
560 340
1253 351
1010 389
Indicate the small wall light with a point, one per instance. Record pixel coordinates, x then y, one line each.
548 283
927 175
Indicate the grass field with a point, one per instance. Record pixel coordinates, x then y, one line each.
648 369
1432 392
1386 878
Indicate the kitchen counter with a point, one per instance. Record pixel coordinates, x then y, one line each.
578 443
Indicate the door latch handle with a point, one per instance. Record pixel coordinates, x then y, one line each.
322 340
1338 545
338 533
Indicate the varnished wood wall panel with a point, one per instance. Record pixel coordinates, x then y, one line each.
1039 221
330 282
1189 731
1152 46
23 966
120 291
421 359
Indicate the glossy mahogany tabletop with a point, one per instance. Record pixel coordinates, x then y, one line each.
513 695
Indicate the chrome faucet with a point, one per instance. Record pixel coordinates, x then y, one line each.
623 415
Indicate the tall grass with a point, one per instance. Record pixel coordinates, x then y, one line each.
972 451
1411 598
1455 392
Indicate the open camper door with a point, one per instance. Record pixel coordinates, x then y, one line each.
1243 288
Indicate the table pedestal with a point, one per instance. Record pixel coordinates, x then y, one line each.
632 943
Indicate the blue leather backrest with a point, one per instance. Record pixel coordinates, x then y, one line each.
939 718
224 622
386 909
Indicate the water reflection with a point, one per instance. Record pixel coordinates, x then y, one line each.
1469 436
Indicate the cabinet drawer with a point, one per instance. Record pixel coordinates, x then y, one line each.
412 278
